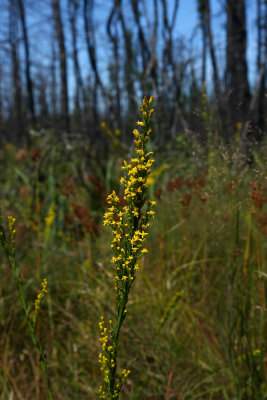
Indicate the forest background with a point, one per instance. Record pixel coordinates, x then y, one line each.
72 64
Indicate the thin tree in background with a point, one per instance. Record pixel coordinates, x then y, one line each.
1 103
236 68
30 97
63 65
73 8
205 18
88 13
261 59
129 60
172 86
203 24
147 54
113 35
16 78
53 85
212 52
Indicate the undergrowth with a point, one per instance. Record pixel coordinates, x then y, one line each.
196 320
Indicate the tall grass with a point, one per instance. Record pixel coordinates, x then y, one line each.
196 321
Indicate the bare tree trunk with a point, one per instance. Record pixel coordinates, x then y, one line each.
114 40
261 51
141 35
80 94
212 54
203 25
63 65
168 60
53 109
151 68
236 69
16 89
88 7
30 96
128 62
148 58
243 154
1 103
204 52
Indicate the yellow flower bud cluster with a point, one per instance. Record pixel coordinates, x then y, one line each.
108 364
107 356
40 295
11 222
125 373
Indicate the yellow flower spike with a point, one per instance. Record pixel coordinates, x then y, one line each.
129 228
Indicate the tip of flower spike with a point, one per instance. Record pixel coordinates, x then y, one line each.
11 222
40 295
44 285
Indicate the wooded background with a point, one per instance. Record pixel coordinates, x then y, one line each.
96 65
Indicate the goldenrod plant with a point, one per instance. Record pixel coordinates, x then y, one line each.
7 239
129 221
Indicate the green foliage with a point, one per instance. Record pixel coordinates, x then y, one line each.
8 246
196 320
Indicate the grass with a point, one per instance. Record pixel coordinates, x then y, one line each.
196 321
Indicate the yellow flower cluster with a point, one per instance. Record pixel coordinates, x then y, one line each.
106 357
11 222
129 223
8 248
40 296
129 219
49 220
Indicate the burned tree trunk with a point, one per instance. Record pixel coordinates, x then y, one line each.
63 65
236 68
30 97
16 79
79 93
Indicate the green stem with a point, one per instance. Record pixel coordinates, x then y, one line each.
12 261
